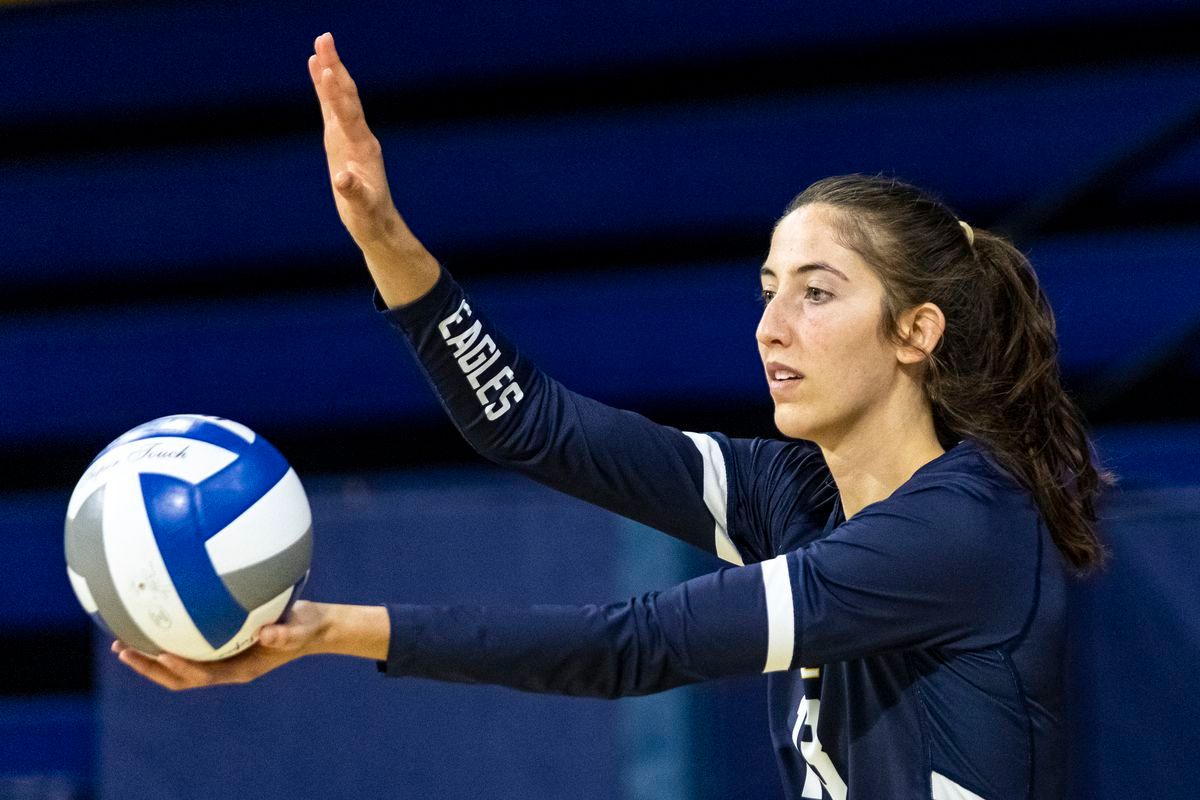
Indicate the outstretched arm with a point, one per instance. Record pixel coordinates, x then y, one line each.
928 571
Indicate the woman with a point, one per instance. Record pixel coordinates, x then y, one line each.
901 564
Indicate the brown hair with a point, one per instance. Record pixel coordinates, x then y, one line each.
994 374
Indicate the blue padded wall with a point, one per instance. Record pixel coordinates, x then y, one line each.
1135 641
638 337
675 167
337 728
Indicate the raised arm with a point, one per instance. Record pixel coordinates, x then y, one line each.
518 417
401 267
685 484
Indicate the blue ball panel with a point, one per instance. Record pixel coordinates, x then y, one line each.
170 503
226 495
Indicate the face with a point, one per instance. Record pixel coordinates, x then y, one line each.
826 362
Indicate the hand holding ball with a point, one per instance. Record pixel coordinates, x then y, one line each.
186 535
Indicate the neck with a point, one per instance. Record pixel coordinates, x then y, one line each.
879 454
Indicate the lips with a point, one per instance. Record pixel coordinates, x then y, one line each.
781 376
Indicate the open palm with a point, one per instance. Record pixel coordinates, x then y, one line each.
356 170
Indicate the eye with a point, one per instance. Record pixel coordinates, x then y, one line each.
766 296
816 294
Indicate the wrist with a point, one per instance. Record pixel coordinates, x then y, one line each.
348 630
403 270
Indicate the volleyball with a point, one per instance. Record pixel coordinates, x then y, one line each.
186 535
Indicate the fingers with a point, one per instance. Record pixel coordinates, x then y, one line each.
314 69
171 671
153 669
340 96
336 90
326 50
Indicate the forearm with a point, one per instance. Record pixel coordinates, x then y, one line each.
711 627
403 270
349 630
518 417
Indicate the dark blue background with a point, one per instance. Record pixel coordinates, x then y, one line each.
603 178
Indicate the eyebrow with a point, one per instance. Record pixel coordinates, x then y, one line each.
810 267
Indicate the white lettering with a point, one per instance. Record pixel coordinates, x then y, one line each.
496 381
477 355
444 325
498 409
475 377
464 340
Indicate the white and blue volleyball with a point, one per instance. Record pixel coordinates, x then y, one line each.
186 535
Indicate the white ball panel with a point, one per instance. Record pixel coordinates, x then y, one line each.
82 592
276 521
139 574
265 614
186 459
229 425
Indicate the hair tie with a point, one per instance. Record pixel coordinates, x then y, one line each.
969 231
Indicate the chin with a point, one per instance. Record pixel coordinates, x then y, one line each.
793 423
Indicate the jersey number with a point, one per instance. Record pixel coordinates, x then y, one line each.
807 716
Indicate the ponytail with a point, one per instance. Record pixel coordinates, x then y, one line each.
1031 425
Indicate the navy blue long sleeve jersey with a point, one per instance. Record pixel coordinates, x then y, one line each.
914 650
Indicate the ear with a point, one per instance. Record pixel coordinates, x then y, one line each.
921 329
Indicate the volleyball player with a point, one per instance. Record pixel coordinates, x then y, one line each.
899 562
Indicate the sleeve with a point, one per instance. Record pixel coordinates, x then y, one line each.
684 484
885 581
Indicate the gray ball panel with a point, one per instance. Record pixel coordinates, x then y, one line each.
256 584
83 539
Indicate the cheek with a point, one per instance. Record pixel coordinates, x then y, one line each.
850 352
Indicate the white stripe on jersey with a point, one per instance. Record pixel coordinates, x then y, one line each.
781 624
946 789
715 494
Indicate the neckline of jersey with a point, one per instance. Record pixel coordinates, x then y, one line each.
963 447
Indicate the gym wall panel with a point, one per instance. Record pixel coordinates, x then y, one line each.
1176 176
639 338
327 360
47 747
36 595
1135 640
111 57
1120 297
481 537
335 728
697 167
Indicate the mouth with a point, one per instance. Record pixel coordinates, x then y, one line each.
781 378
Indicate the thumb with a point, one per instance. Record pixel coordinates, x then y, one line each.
344 182
349 184
276 637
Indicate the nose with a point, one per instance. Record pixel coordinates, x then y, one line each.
773 329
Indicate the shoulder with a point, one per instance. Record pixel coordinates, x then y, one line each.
967 475
788 476
780 493
967 500
773 456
